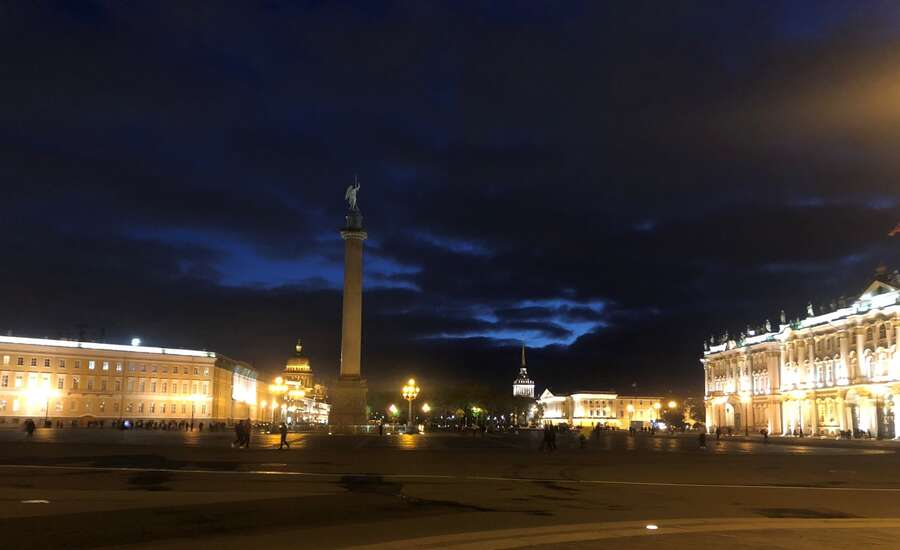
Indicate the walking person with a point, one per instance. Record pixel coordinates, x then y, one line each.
282 429
702 439
248 430
238 434
29 427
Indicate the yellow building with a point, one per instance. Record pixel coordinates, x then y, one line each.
294 397
606 408
831 372
67 380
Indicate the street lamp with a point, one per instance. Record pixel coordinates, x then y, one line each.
672 405
745 399
410 392
194 399
394 411
279 388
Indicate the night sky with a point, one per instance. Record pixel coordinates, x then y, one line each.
609 183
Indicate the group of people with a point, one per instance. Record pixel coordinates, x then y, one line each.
242 431
549 441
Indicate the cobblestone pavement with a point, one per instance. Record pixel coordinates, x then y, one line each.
93 487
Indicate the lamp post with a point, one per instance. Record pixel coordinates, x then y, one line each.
279 388
394 411
426 408
745 399
410 392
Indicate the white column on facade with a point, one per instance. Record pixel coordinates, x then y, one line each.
896 359
860 354
840 413
845 357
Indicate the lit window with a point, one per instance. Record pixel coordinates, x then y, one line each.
194 388
165 370
20 361
203 408
34 361
143 386
18 381
60 382
74 382
152 408
78 363
143 368
118 385
15 405
131 368
118 367
6 359
90 385
205 388
165 387
183 408
106 365
196 371
91 364
205 371
141 407
174 408
153 387
4 381
2 405
62 363
184 388
47 363
174 370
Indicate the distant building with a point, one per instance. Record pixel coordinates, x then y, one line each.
304 401
606 408
523 385
70 380
836 370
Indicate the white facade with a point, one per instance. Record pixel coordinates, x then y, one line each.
604 408
825 374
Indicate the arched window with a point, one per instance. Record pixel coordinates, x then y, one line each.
868 334
882 332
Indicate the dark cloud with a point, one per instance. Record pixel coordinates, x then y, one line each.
608 183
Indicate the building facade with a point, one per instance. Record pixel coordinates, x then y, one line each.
523 385
831 373
606 408
72 381
295 397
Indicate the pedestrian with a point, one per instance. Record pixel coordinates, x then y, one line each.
582 440
545 442
702 439
283 430
381 428
552 438
765 433
718 433
200 426
247 432
29 427
238 434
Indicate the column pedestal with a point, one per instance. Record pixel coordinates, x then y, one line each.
348 403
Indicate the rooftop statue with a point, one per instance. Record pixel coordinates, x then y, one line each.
350 196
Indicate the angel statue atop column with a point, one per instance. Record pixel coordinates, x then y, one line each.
350 195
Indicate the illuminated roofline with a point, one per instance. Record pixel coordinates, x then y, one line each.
104 347
885 303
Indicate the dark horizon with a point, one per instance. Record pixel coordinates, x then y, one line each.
609 185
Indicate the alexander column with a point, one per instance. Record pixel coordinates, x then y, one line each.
349 397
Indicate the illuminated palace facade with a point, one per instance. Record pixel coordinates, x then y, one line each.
604 408
825 374
66 380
